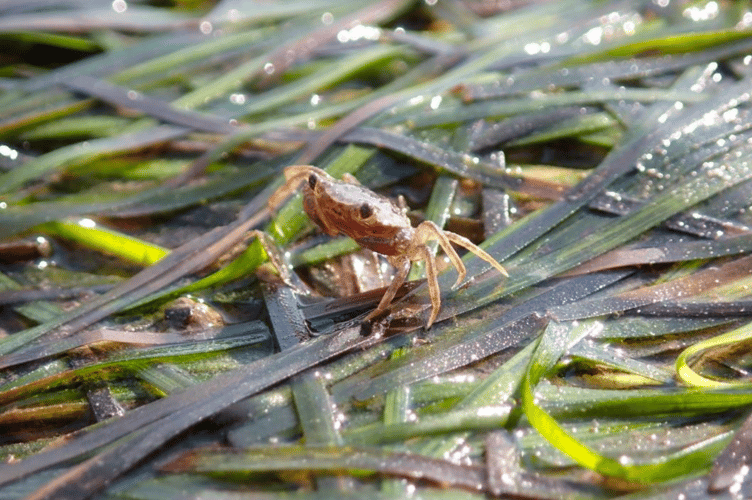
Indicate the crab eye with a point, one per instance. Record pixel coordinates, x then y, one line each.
312 181
365 210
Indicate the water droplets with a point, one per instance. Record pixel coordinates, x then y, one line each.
730 115
119 6
739 479
593 36
537 48
414 101
626 460
206 27
237 99
460 455
629 27
492 411
233 15
359 32
699 13
8 152
87 223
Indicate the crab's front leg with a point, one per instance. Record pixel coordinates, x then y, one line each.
464 242
432 278
275 259
428 230
403 264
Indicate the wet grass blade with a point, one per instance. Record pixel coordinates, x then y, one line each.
186 409
693 379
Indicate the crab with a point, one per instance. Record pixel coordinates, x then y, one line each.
377 223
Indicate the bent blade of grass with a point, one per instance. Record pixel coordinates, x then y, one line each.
693 379
566 402
553 345
605 355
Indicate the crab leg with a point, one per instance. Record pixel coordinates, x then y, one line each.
433 285
403 264
294 176
464 242
428 229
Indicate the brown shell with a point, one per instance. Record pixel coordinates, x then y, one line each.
336 208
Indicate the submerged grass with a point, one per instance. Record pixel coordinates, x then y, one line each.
600 150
